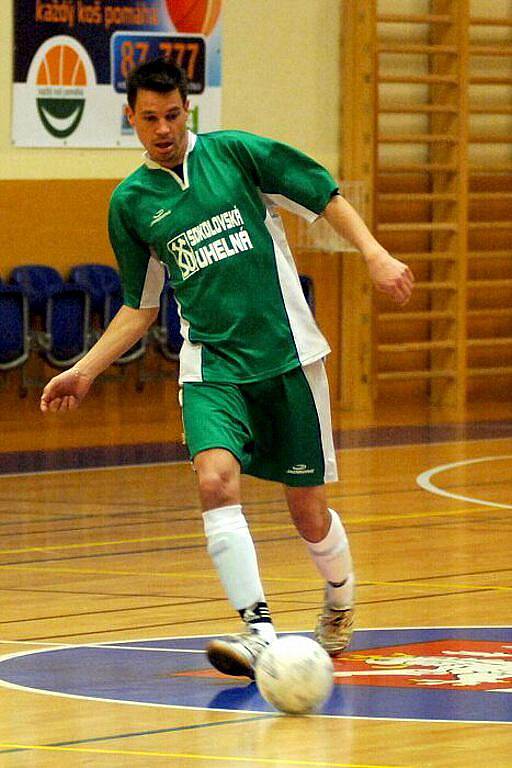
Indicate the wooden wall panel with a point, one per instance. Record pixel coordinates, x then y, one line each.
58 223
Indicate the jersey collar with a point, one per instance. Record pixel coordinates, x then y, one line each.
153 166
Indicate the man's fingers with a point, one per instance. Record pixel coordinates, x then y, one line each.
58 404
48 401
404 292
400 291
402 288
408 279
69 403
401 297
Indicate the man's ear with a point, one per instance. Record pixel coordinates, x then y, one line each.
129 114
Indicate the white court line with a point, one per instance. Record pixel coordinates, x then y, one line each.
60 647
424 481
44 692
106 644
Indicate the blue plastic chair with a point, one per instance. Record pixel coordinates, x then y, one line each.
167 332
14 332
100 281
67 335
113 304
38 283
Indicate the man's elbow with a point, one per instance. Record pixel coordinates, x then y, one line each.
143 316
149 315
332 206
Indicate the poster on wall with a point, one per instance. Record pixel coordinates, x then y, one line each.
71 59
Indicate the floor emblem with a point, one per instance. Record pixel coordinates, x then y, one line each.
459 674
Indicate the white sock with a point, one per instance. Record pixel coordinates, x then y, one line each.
232 550
332 558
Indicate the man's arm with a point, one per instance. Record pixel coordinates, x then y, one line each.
65 391
389 275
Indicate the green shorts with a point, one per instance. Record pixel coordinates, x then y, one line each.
278 429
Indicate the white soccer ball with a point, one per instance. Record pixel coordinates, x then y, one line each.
294 674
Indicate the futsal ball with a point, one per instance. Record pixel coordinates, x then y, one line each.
194 16
294 674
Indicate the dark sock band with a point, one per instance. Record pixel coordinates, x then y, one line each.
256 614
337 584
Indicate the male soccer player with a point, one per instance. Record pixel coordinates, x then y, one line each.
202 208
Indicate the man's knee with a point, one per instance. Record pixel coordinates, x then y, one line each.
218 480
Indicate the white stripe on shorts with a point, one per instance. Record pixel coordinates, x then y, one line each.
317 380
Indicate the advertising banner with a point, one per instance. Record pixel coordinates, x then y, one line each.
71 59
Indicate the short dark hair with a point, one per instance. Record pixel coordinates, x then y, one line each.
161 75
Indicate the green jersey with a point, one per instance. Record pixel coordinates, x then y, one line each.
216 234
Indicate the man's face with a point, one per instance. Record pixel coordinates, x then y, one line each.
160 121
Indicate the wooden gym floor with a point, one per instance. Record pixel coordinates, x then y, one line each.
92 554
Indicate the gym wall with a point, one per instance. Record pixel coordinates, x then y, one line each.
279 79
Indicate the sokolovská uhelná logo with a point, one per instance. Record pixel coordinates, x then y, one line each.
61 79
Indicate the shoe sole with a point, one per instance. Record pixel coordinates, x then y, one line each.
335 652
331 649
225 659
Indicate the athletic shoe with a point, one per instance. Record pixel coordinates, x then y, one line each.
236 655
334 629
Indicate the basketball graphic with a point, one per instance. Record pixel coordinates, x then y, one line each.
61 66
194 16
61 71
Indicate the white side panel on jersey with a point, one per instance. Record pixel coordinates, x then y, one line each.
153 284
191 368
311 345
292 206
317 380
191 362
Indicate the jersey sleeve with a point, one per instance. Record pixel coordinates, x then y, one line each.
287 176
142 274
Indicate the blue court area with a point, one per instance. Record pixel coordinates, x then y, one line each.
454 674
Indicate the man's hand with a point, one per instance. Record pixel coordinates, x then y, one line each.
387 273
391 276
66 391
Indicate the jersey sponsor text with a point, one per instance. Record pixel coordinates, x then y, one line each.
190 259
214 226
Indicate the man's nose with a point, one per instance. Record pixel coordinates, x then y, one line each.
163 127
